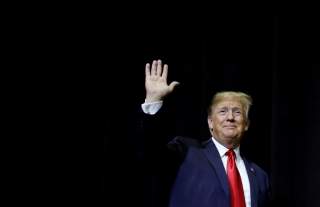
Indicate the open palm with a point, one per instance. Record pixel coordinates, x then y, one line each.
156 81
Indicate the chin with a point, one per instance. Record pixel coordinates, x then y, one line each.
230 136
232 140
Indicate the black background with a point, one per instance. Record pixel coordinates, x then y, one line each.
273 58
83 79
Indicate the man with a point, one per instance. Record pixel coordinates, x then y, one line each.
210 173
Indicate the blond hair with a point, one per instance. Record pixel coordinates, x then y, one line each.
244 99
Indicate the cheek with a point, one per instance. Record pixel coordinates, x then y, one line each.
216 121
218 124
241 123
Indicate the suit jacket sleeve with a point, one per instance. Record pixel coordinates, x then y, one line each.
154 140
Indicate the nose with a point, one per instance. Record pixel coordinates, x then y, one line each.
230 115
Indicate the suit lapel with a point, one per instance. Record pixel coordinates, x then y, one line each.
214 159
253 183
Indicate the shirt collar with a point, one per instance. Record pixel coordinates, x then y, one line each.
222 149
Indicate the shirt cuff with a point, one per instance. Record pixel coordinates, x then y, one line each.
151 107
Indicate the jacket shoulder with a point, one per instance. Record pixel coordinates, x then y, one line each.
185 141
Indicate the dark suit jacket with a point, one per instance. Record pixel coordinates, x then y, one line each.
202 181
185 172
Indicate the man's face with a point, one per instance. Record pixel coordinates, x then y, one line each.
228 122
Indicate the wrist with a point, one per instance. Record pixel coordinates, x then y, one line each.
150 98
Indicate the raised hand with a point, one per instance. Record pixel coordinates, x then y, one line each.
156 81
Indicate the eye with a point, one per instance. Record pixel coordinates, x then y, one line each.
238 113
222 111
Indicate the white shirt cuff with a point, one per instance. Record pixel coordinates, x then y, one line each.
151 107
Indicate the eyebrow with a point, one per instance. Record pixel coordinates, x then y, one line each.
225 107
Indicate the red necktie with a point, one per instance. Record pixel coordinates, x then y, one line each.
236 190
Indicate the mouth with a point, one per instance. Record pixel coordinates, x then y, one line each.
230 127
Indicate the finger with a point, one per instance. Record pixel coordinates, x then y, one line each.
173 85
165 72
147 70
159 68
153 68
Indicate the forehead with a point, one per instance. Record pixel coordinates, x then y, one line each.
230 102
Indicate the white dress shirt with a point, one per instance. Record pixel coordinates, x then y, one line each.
241 168
153 107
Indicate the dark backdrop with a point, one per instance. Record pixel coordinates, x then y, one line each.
93 64
273 58
78 77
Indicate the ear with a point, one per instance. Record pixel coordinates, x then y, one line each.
247 125
210 122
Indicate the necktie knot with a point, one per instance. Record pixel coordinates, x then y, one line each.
231 154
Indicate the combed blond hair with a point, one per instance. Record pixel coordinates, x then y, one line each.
244 99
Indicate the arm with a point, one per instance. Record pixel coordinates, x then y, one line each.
155 129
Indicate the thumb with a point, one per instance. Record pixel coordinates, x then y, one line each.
173 85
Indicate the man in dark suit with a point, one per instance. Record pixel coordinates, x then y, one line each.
209 173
